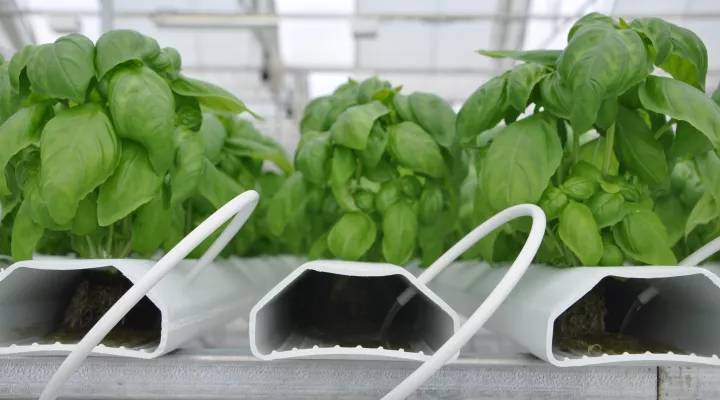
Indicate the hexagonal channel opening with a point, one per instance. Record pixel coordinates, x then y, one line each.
326 310
683 317
49 306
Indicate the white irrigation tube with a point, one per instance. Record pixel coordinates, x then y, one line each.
493 301
701 254
240 208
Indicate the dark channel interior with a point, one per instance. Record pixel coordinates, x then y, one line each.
89 296
326 310
610 320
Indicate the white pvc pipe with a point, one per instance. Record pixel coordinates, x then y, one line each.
240 208
493 301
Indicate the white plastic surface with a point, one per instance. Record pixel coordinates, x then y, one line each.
685 314
268 341
31 293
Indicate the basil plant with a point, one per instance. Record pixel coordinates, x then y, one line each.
107 149
377 177
623 162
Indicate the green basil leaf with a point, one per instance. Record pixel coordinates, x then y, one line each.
313 159
175 58
673 215
86 219
369 87
352 236
212 134
39 208
121 45
319 249
343 166
685 182
315 113
607 114
680 101
287 202
580 233
133 184
689 142
435 116
578 187
19 132
638 150
542 57
594 152
607 209
79 151
556 97
366 184
353 125
187 112
383 172
143 110
587 170
347 89
553 202
240 127
520 162
377 142
432 202
688 59
264 148
410 186
365 201
338 105
589 19
8 204
189 165
390 193
344 198
217 187
716 95
10 101
431 241
209 95
17 68
176 228
401 103
708 165
484 109
642 237
511 115
631 98
482 211
521 81
612 256
25 234
63 69
659 34
414 148
599 62
704 211
400 231
150 226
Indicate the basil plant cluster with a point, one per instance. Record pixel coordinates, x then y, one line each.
107 149
377 177
623 162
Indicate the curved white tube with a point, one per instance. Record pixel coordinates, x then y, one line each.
240 207
701 254
493 301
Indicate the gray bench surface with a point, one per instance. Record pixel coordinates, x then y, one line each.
220 366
